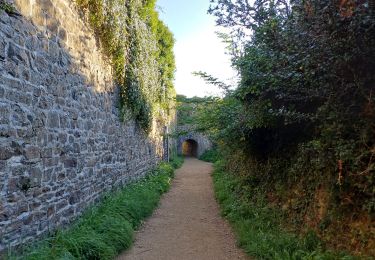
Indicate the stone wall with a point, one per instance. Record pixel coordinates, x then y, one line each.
203 142
61 142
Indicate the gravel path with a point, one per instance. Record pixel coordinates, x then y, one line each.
187 225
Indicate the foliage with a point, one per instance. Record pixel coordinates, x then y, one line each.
141 49
187 108
7 7
302 115
210 156
259 227
107 229
177 162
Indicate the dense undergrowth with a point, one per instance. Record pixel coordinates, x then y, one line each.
299 127
211 155
140 46
107 229
259 228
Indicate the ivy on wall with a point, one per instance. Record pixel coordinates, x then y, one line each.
8 8
141 49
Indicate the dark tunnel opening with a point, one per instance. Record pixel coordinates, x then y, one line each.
190 148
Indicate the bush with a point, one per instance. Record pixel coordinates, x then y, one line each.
300 121
259 228
210 156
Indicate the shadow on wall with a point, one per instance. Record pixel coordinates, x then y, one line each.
61 141
190 148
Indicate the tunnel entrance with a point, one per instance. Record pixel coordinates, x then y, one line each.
190 148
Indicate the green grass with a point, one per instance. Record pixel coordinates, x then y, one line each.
177 162
210 156
107 229
259 228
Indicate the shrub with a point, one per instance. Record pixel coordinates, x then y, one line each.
210 156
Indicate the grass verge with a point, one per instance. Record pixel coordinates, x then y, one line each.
259 228
210 156
107 229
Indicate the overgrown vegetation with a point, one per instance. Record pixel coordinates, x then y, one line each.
259 227
300 126
141 49
107 229
187 108
7 7
210 156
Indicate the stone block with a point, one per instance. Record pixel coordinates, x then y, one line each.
50 211
36 175
74 198
31 152
22 208
4 113
63 137
7 131
62 204
31 43
53 52
70 163
45 102
3 44
5 152
50 162
17 54
11 68
6 29
19 39
53 120
2 91
46 153
41 64
8 149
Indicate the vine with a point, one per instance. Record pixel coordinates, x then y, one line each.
8 8
141 49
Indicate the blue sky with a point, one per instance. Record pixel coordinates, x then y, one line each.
197 46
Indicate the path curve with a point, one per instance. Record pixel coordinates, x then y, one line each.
187 225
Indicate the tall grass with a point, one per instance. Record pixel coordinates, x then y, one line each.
259 228
107 229
210 156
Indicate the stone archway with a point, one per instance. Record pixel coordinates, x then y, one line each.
197 142
190 148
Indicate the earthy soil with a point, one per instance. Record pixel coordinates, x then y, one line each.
187 225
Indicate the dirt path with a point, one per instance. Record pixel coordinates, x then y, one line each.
187 225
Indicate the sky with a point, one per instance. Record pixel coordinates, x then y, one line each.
197 46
